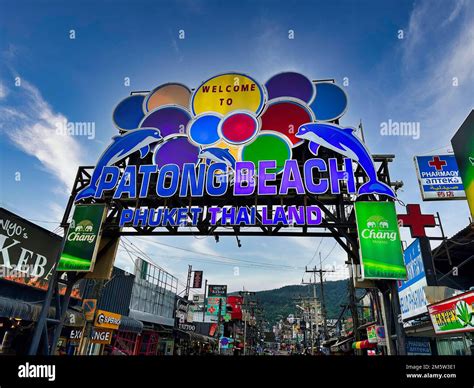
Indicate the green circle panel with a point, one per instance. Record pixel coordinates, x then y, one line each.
268 147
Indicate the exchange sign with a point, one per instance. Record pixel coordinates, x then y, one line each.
381 252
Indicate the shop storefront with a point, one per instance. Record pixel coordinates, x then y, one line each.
17 320
193 339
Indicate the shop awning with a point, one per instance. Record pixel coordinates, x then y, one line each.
19 309
130 325
363 345
196 336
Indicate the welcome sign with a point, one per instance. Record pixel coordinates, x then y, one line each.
381 252
232 136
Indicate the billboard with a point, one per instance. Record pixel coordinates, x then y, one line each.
439 177
463 147
381 255
216 300
235 136
372 334
234 304
411 291
81 246
216 290
197 280
453 315
28 252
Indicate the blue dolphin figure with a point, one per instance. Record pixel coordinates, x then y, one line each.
219 155
120 148
344 142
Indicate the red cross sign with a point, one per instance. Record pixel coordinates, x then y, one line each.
416 221
437 163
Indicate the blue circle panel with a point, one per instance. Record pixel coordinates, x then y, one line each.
129 113
330 102
203 130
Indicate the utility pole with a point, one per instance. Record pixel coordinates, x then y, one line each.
204 307
312 306
245 309
219 324
323 302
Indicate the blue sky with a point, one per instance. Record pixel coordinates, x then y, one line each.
82 79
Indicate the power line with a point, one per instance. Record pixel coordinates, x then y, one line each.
334 246
142 253
226 257
316 251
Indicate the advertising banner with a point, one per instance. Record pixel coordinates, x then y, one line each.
81 246
217 290
463 147
212 306
371 334
439 178
411 291
197 280
28 252
381 252
380 333
453 315
217 300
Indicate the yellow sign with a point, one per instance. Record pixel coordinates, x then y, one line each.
107 320
100 336
226 93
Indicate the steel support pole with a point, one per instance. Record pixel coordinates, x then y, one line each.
41 325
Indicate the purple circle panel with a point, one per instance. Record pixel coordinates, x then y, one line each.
178 151
170 120
290 84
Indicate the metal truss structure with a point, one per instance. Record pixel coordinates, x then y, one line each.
338 223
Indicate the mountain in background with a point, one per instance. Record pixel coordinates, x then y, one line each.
281 301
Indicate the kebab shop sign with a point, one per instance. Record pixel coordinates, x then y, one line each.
231 136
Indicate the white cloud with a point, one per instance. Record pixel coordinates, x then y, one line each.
31 125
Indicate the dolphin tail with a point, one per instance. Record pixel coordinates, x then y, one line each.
87 192
313 148
376 187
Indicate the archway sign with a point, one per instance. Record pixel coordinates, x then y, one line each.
232 157
233 153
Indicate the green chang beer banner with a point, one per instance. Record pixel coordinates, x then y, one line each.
82 241
381 252
463 147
